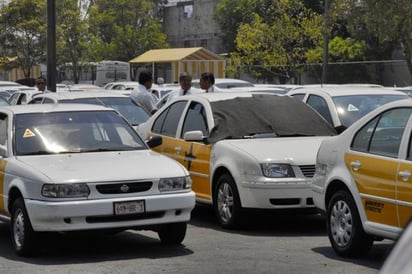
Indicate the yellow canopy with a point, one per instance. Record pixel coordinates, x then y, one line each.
175 54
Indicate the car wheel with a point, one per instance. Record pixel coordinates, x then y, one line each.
22 233
344 226
172 234
226 202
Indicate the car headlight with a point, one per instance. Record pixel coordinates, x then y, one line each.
65 190
277 170
321 169
173 184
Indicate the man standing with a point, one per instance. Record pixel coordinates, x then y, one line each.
141 94
41 84
185 81
207 81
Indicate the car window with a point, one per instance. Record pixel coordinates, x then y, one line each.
167 122
195 119
38 100
383 134
299 96
3 134
73 132
319 104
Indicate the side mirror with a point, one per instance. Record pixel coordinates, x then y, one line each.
154 141
340 129
195 135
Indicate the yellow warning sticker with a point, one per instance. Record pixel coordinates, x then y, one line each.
28 133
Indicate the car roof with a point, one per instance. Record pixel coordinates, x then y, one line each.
346 90
83 94
36 108
221 96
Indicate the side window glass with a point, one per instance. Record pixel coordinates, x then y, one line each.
319 104
388 133
362 138
167 122
298 96
3 134
195 119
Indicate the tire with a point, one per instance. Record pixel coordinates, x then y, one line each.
226 202
344 226
172 234
22 234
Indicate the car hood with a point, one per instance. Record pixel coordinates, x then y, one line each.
299 150
104 166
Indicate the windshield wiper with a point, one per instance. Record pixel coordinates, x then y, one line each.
40 152
110 149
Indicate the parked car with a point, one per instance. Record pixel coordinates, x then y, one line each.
225 84
76 167
342 105
133 112
363 179
242 150
22 97
399 259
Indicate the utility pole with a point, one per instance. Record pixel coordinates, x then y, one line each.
51 45
325 42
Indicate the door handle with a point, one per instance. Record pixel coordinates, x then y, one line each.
355 165
404 174
178 149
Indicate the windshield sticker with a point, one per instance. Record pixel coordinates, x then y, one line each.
352 108
28 133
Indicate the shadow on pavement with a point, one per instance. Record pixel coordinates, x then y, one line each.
79 248
265 223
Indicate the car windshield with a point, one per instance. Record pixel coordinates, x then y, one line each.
352 107
73 132
265 116
124 105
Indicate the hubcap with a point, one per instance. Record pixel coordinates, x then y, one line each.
341 223
225 202
18 228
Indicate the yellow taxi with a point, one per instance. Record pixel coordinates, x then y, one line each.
363 179
242 150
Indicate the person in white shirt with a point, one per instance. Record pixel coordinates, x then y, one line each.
42 85
185 81
207 81
141 94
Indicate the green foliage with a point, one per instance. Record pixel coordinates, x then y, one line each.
340 50
23 35
73 43
124 29
278 46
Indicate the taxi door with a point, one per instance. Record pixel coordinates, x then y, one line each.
195 155
374 164
404 183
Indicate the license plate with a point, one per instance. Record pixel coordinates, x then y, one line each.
131 207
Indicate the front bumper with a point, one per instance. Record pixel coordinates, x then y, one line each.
99 213
265 194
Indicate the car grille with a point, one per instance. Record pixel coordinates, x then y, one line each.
308 171
119 188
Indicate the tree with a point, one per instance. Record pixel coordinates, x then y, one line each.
23 35
73 41
123 29
384 25
279 46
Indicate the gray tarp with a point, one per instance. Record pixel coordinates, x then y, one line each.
262 113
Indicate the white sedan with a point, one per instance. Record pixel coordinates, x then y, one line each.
243 150
342 105
363 179
73 167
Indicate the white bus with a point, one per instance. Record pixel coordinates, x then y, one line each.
96 73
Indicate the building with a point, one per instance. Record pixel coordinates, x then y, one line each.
191 24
